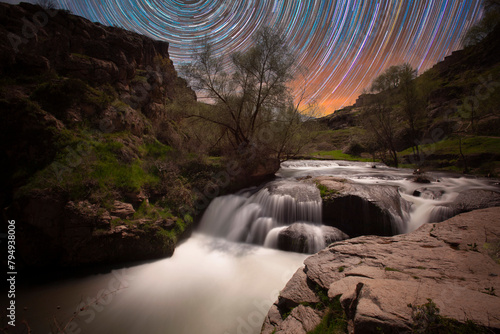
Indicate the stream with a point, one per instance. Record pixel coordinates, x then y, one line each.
224 278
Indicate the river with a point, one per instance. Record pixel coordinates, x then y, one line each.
224 278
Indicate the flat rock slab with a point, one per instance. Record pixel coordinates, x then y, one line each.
455 263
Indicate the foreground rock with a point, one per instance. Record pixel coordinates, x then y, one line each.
359 209
456 264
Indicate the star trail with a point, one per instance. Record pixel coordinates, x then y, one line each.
343 44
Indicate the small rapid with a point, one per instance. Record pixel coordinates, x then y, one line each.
429 202
258 216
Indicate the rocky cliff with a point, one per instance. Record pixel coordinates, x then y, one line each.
441 278
91 172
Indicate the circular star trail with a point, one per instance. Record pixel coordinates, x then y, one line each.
343 44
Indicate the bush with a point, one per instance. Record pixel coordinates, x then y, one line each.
426 319
354 148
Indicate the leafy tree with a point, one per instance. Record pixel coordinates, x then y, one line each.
390 79
253 105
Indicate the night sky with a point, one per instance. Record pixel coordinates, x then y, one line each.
343 44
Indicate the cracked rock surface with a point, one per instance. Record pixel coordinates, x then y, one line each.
455 263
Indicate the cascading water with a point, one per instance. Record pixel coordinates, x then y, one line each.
257 217
429 202
212 285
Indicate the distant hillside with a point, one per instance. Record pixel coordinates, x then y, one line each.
460 98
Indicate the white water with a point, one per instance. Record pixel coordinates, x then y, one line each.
212 285
209 285
258 217
425 209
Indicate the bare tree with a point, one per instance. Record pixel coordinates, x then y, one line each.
255 98
46 4
379 121
410 107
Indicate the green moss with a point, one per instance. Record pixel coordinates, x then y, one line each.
392 269
341 269
156 150
324 191
81 56
151 211
140 79
493 249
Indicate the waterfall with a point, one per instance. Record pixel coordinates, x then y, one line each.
258 217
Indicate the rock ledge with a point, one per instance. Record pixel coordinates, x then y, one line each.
455 263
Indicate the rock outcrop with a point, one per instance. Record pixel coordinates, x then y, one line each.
359 209
449 270
78 98
34 40
53 231
466 201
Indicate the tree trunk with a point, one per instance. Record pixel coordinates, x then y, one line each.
466 169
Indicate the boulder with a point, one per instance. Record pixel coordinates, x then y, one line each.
308 238
360 209
449 270
474 200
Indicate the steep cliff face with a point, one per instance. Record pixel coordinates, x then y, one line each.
34 41
86 131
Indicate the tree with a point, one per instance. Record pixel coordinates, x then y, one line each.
379 121
400 79
487 24
410 106
390 79
254 98
47 4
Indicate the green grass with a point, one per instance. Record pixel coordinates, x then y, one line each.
110 172
156 150
470 145
338 155
91 167
150 211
